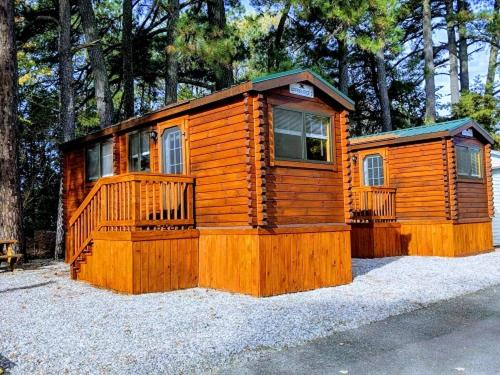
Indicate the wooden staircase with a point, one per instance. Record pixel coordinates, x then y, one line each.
129 202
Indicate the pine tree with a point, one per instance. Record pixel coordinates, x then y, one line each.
430 88
128 58
10 202
96 57
66 105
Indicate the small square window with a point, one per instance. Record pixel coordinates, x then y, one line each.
469 161
99 160
139 151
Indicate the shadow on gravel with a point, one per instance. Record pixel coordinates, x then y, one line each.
26 287
5 364
361 267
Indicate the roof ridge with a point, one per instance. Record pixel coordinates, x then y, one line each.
396 131
302 70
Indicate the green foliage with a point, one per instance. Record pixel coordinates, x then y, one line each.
484 109
39 161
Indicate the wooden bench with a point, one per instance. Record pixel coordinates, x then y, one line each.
10 256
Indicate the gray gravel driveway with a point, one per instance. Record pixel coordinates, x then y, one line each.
51 324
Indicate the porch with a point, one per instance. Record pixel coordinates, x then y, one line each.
374 204
135 233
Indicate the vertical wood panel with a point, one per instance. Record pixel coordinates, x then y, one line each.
270 264
142 266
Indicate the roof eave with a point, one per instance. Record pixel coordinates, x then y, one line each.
391 141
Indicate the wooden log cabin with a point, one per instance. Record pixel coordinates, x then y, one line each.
425 190
245 190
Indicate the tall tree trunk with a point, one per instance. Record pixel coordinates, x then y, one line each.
171 63
96 56
452 52
343 66
217 16
492 63
275 48
66 107
430 87
10 196
127 51
383 91
463 8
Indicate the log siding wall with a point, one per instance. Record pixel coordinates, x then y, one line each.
229 153
306 193
220 161
417 172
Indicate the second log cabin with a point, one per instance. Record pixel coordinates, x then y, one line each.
425 190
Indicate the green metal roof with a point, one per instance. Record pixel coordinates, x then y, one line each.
419 130
301 70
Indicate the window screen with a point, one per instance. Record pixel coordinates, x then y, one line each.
139 151
288 134
92 163
469 161
301 136
373 166
99 160
107 158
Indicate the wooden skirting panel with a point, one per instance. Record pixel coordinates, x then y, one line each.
439 238
143 262
473 238
272 262
376 240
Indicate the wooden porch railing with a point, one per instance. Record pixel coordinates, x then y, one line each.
131 202
374 204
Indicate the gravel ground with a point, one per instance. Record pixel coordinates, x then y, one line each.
50 324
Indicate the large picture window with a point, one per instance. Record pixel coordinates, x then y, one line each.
301 136
469 161
373 167
99 160
138 146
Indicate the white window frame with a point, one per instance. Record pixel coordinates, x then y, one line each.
304 135
471 150
366 170
166 162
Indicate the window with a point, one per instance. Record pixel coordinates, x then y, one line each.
172 151
373 167
99 160
469 161
138 146
301 136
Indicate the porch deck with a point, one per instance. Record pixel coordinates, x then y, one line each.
132 202
374 204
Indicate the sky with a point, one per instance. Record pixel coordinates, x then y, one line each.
478 67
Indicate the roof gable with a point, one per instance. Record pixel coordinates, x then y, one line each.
300 75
